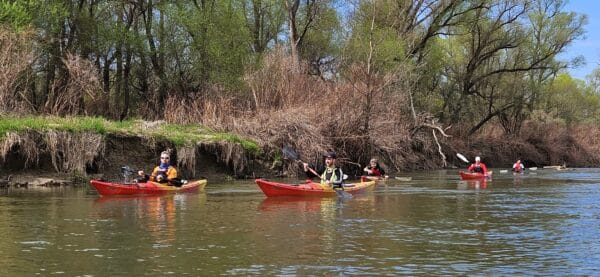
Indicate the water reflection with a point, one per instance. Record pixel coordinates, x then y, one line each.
156 215
472 184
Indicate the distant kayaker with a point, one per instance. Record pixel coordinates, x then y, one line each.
518 166
163 173
374 169
478 166
331 176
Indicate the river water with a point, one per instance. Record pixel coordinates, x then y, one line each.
541 223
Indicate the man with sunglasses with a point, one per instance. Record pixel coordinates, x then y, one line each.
163 173
331 176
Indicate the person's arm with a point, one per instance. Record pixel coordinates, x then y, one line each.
484 168
143 177
471 167
310 173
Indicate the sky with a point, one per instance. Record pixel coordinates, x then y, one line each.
589 45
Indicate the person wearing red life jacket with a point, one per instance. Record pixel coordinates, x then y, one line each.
374 169
518 166
478 166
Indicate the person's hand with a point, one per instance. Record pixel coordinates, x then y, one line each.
141 173
369 171
305 166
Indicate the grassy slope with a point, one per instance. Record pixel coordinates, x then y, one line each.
180 135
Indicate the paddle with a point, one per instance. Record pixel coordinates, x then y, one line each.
462 158
290 154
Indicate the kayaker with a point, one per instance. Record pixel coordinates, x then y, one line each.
518 166
478 166
163 173
331 176
374 169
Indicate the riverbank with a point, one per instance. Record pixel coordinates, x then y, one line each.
72 147
79 148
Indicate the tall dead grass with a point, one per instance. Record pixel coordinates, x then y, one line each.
361 117
16 56
78 91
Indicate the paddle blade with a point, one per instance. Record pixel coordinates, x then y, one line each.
289 153
462 158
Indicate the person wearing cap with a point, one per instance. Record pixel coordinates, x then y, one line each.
374 169
162 173
331 176
518 166
478 166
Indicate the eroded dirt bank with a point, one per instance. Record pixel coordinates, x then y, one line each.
66 156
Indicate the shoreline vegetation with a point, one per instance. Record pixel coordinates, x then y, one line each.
78 146
87 86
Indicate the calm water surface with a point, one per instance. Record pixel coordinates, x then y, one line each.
545 223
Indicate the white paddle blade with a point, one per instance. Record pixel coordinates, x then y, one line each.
345 177
460 156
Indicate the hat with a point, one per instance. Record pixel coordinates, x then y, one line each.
329 154
477 159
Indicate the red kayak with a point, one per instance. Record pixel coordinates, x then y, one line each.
148 188
309 188
474 175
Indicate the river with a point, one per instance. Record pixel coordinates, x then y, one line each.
544 222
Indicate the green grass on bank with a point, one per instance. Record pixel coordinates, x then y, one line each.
180 135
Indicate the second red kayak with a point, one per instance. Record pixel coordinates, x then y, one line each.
310 189
474 175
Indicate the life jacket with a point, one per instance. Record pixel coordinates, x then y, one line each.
330 174
375 171
518 167
478 169
167 173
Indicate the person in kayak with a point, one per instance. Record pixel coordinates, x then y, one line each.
478 166
163 173
374 169
518 166
331 176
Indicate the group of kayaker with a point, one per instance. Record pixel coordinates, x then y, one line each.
480 167
332 176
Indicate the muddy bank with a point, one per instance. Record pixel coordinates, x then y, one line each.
71 158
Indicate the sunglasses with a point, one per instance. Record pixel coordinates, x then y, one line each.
164 158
